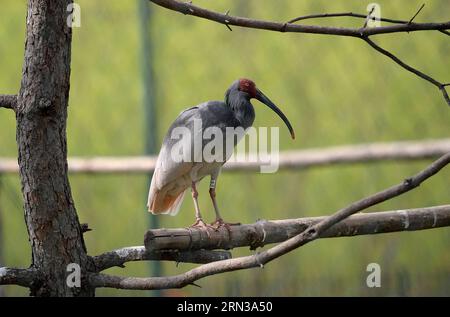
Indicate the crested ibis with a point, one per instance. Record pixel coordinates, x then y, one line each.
172 177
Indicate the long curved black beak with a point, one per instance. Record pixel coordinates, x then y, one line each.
263 98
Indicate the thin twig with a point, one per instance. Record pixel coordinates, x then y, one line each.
409 68
368 17
314 232
352 15
226 21
417 13
342 14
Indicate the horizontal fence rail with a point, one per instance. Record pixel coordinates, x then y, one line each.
300 159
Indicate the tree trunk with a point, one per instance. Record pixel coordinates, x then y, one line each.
52 222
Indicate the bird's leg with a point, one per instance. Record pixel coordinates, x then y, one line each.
219 222
199 223
212 194
198 215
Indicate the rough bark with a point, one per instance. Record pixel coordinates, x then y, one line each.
52 222
22 277
8 101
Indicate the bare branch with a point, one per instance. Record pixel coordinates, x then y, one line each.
8 101
363 33
264 232
394 191
190 9
361 153
21 277
438 84
139 253
258 260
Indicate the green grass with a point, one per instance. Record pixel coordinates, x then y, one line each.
334 91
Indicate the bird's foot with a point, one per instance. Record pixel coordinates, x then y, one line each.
219 222
200 224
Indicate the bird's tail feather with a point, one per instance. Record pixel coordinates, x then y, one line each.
159 202
165 204
175 207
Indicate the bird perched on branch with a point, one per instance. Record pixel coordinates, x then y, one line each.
182 162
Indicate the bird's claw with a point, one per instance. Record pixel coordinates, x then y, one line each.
219 222
200 224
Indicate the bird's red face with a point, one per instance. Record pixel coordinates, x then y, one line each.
248 86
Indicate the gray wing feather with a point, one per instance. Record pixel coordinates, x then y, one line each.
211 114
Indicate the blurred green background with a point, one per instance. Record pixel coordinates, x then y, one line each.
334 90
